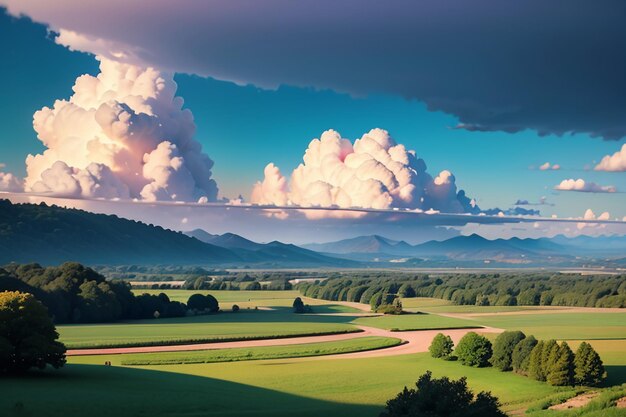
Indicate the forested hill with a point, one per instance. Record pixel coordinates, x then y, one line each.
52 235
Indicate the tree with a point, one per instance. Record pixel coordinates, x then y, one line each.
549 356
235 308
561 372
503 349
441 346
588 367
201 302
441 397
520 358
298 306
535 363
406 291
28 338
474 350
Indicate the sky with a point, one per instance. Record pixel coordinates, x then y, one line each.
253 105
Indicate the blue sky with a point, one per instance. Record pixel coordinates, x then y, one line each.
242 128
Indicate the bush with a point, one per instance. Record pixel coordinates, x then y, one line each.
474 350
201 302
28 339
442 397
235 308
520 358
441 346
503 349
588 367
298 306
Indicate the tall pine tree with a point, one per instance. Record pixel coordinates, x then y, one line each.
561 368
588 367
535 363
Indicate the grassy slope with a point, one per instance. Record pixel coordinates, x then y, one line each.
244 354
308 387
414 322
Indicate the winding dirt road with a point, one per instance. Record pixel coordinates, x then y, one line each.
414 342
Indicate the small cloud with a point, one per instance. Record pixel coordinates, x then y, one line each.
184 220
581 185
549 167
614 163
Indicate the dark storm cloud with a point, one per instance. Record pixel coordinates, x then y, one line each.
551 66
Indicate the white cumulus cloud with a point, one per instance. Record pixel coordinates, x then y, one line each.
374 172
584 186
9 182
615 162
547 167
122 134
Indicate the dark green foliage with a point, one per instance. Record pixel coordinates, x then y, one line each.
561 370
441 346
535 363
298 306
376 301
588 367
544 288
201 302
441 397
474 350
394 308
73 293
520 358
28 339
503 349
549 356
235 308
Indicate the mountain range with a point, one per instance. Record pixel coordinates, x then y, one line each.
477 248
52 235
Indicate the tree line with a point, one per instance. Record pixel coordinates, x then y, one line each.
489 289
73 293
548 361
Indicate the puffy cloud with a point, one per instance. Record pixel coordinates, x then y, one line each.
122 134
615 162
590 215
9 182
547 166
417 54
375 172
583 186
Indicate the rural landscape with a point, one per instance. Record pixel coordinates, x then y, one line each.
184 231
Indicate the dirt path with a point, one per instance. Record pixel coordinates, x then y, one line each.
415 342
575 402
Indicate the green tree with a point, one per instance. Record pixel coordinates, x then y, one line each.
298 306
441 346
535 363
474 350
28 338
442 397
561 371
201 302
588 367
503 349
406 291
549 356
520 358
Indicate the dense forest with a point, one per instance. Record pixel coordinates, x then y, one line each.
556 289
77 294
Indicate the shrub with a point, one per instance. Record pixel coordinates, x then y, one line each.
474 350
588 367
298 306
28 339
520 358
235 308
441 346
503 349
442 397
201 302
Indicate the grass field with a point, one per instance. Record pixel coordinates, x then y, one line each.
303 387
223 326
570 326
413 322
246 354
